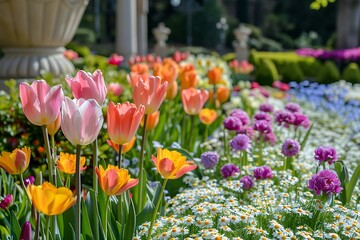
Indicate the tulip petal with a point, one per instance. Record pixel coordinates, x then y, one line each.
185 169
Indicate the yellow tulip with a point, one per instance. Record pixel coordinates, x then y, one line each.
67 163
125 147
17 161
207 116
114 180
171 164
50 200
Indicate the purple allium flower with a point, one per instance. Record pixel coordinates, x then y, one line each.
248 130
284 118
209 159
247 182
293 107
263 172
29 180
262 116
26 232
325 181
266 107
262 126
290 148
326 154
240 142
241 115
300 120
229 170
7 201
232 123
268 137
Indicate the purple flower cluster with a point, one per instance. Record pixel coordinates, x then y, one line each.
300 120
248 130
7 202
293 107
352 54
266 107
284 118
262 126
209 159
290 148
229 170
262 116
241 115
247 182
232 123
325 181
240 142
325 154
263 172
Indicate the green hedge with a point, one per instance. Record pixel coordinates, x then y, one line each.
352 73
266 72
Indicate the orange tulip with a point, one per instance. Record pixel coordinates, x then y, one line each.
17 161
54 127
149 93
168 70
50 200
114 180
215 75
171 164
193 100
140 68
125 147
123 121
207 116
222 94
152 121
67 163
172 91
189 79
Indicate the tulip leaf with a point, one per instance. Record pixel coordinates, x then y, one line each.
101 203
68 221
303 142
130 223
4 232
160 127
136 196
60 224
15 226
343 175
86 227
351 185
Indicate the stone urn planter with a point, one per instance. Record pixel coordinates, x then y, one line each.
33 34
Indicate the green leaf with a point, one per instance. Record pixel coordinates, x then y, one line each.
139 206
130 224
15 226
4 232
343 175
303 142
351 185
86 227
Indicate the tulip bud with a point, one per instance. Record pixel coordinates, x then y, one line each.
26 232
54 127
29 180
7 202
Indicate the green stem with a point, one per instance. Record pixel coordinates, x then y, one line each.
183 131
156 209
37 230
206 135
141 166
95 188
104 220
52 177
120 155
78 193
225 146
47 224
192 118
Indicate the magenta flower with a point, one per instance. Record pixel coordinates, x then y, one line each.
232 123
248 130
115 59
325 181
229 170
86 85
290 148
262 126
266 107
325 154
41 104
29 180
263 172
247 182
81 120
262 116
293 107
284 118
240 142
241 115
300 120
269 138
7 202
26 232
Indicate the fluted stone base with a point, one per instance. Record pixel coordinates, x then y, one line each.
29 62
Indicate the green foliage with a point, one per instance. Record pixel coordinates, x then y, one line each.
310 67
352 73
266 73
82 50
317 4
329 73
292 72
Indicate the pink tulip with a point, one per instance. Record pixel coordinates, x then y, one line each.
41 104
193 100
81 120
115 89
26 232
86 85
123 120
115 59
150 93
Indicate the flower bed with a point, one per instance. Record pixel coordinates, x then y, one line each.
252 165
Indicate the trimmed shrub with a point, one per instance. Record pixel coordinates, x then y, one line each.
310 67
352 73
329 73
292 73
266 73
